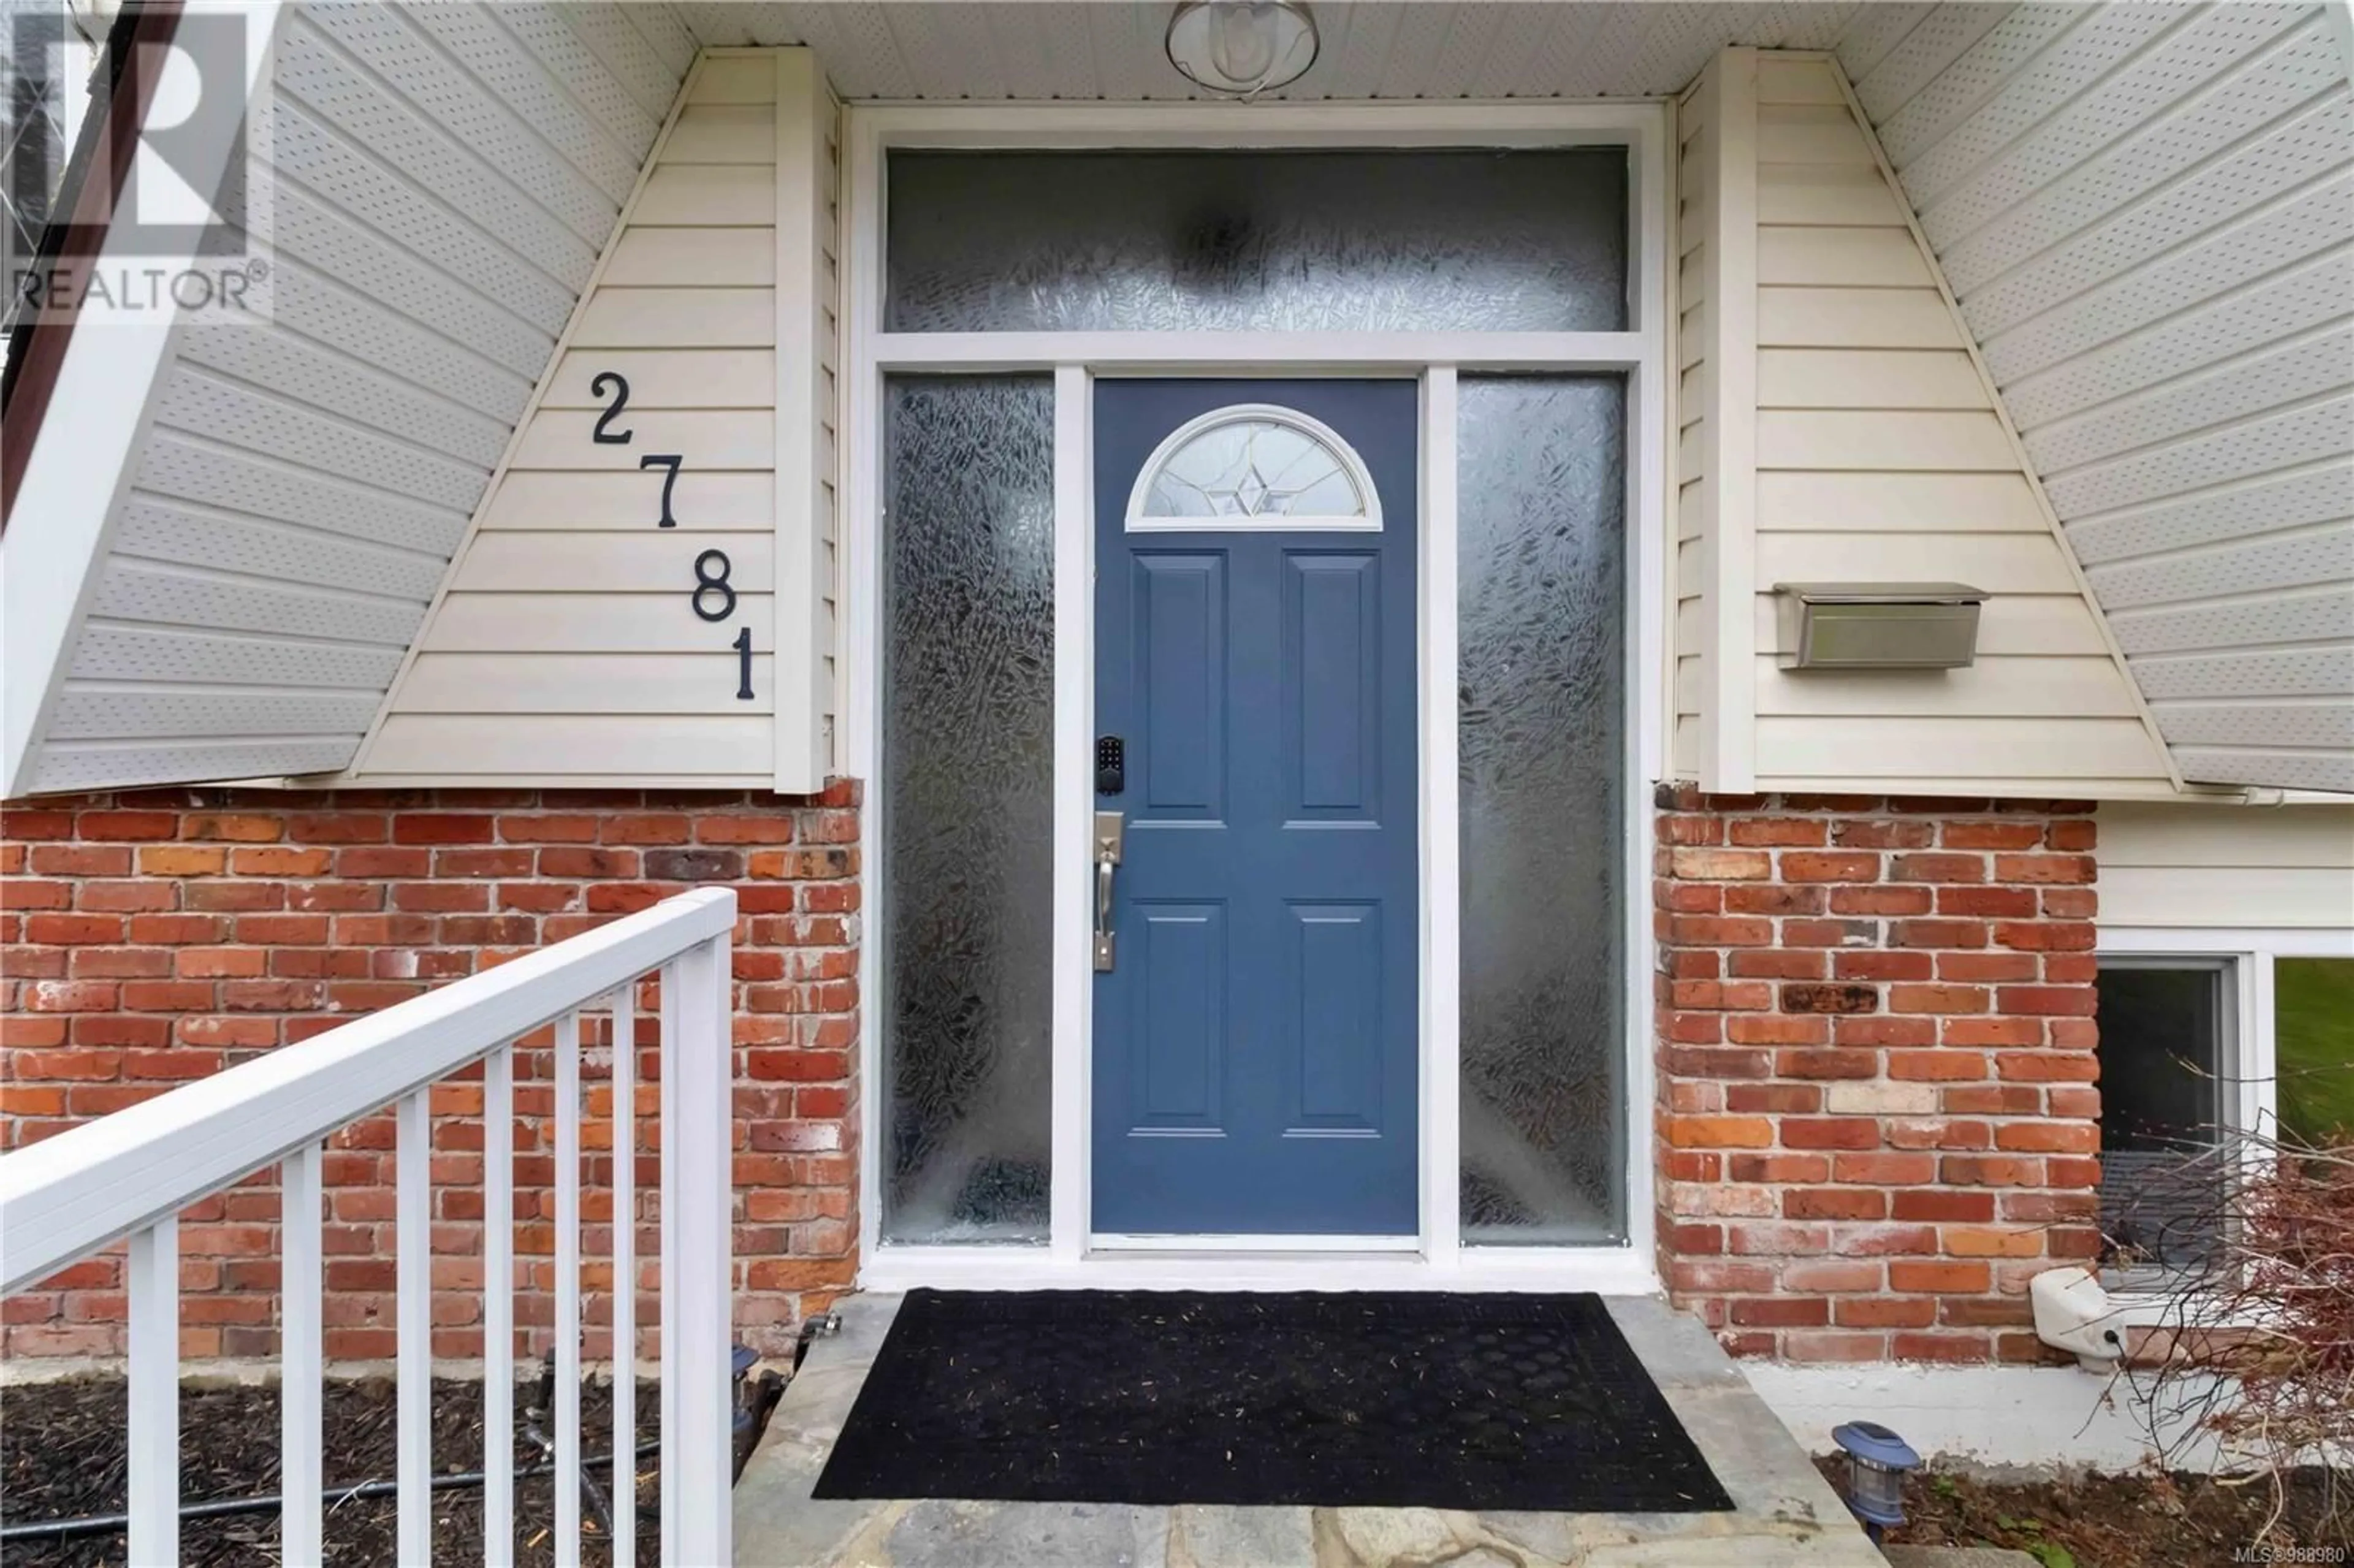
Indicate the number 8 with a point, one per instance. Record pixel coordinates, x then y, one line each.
708 581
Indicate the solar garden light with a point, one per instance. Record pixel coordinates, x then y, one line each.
1877 1460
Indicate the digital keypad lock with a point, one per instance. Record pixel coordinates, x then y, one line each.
1111 765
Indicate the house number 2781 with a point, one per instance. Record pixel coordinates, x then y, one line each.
713 598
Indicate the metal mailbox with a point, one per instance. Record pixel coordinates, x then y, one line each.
1877 625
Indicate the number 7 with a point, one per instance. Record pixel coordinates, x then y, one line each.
668 462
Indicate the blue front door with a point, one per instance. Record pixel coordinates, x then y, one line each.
1254 1036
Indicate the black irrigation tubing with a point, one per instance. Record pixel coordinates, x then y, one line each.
217 1508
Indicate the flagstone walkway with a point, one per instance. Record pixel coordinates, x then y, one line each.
1784 1515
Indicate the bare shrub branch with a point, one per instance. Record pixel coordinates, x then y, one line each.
2255 1353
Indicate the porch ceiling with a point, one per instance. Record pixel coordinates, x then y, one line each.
1113 49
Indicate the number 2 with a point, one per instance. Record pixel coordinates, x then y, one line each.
621 390
743 646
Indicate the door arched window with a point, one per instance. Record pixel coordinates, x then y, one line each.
1253 465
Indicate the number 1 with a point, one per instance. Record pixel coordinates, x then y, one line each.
743 646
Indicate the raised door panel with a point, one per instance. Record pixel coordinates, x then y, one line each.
1334 1081
1181 632
1179 1032
1331 685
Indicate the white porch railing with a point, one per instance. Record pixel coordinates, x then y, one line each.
130 1175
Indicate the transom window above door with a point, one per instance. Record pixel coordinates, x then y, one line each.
1257 240
1254 464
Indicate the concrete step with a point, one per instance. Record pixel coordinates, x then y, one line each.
1785 1515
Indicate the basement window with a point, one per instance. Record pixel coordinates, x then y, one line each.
2167 1071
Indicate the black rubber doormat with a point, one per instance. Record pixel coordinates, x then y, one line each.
1391 1399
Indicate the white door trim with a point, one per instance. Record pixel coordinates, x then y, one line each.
1283 354
1442 892
1070 1184
1072 1256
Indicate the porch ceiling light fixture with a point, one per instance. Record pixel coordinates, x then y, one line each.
1241 47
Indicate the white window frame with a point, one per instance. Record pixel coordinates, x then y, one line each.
2247 956
1075 1257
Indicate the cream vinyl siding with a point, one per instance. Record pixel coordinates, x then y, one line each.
2147 215
808 415
1877 455
445 176
1707 360
566 646
2209 866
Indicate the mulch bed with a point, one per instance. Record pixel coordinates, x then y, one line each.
2130 1520
62 1455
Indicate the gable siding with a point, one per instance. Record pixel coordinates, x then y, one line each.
566 629
1879 455
2148 216
447 175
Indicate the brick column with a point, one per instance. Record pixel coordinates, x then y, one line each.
1877 1117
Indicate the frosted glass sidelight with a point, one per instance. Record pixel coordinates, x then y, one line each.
968 807
1541 609
1529 239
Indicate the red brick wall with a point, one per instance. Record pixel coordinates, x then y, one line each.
154 937
1877 1117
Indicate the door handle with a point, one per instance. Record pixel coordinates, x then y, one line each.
1109 831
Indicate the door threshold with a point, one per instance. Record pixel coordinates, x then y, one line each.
1611 1271
1188 1245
